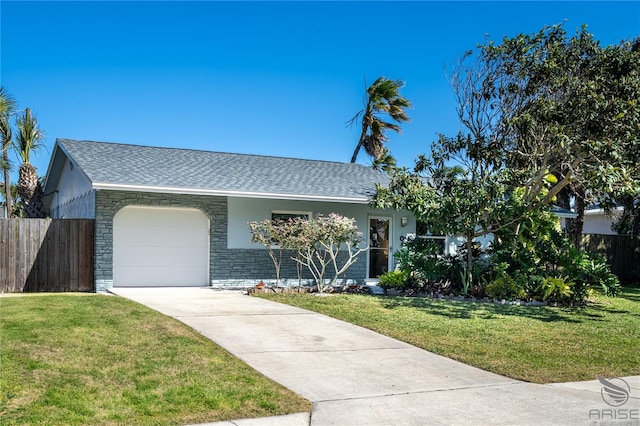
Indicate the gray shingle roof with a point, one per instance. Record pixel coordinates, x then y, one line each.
113 164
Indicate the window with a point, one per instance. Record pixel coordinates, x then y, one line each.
283 215
286 215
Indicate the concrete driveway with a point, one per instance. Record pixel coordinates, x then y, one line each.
355 376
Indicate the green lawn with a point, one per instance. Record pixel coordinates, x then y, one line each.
94 359
536 344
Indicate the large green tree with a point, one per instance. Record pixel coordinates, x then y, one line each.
384 110
470 199
547 117
7 109
568 106
28 140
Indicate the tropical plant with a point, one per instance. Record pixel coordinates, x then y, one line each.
29 139
386 162
7 107
588 270
556 289
544 115
382 98
17 209
425 266
505 287
393 279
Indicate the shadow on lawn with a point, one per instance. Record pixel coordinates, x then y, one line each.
593 311
457 309
631 293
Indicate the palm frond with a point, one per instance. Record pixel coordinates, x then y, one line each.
7 107
5 132
386 162
382 99
7 102
30 137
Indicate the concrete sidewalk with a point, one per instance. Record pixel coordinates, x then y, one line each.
355 376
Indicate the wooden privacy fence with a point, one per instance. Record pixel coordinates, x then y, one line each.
622 253
41 255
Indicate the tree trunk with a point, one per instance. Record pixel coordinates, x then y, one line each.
575 226
467 279
359 146
578 222
30 191
7 182
366 122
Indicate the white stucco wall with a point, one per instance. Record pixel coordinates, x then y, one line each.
452 243
244 210
596 222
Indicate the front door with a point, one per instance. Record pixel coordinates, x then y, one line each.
379 245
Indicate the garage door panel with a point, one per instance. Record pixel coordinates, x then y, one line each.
151 277
131 256
160 247
156 238
189 231
162 216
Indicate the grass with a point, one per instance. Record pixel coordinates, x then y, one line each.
103 360
535 344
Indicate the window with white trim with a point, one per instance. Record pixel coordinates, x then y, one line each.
286 215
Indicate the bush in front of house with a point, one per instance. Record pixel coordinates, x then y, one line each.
505 287
394 279
538 265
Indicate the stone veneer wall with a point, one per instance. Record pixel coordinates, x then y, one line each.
227 267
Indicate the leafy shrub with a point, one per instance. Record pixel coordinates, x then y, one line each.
556 289
588 270
419 254
505 287
426 269
478 291
600 274
393 279
540 254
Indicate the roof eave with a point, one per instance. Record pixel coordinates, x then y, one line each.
226 193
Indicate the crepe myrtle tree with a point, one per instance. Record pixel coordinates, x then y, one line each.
272 234
319 243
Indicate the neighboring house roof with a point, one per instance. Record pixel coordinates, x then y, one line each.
599 211
564 213
115 166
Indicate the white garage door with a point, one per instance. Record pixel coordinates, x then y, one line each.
160 247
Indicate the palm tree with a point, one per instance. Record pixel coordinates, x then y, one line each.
29 139
7 107
386 162
382 97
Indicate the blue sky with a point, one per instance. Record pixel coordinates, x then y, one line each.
271 78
